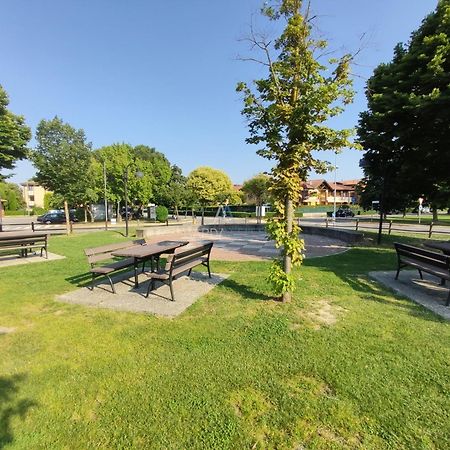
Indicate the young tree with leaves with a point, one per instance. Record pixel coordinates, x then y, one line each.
257 189
14 135
287 113
62 158
209 186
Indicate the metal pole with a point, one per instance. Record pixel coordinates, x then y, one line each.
126 202
381 206
106 201
335 170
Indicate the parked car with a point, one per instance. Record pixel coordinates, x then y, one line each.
132 213
345 212
56 217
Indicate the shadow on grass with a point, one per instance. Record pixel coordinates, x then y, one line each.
11 406
245 290
352 268
80 280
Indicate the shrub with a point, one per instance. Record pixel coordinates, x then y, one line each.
161 213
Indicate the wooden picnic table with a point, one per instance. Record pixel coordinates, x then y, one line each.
443 246
147 252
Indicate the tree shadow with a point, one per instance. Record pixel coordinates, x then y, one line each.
246 291
11 406
353 267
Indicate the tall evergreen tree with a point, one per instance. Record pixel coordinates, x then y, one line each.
405 130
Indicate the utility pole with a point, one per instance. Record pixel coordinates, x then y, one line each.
106 201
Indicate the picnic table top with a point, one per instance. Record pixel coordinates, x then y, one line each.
145 250
444 246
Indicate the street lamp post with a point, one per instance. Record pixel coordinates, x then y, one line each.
335 172
420 207
125 179
106 201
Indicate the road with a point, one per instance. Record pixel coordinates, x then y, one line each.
21 223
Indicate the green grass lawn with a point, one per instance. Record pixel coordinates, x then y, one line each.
347 364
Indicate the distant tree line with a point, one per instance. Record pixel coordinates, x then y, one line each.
75 173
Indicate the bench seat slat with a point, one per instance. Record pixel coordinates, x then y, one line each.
111 267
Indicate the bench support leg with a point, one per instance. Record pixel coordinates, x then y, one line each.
442 282
112 284
151 286
448 299
92 282
171 290
420 273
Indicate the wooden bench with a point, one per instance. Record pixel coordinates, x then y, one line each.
423 260
14 243
182 260
103 253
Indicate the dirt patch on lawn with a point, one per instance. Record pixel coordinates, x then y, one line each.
325 314
6 330
317 314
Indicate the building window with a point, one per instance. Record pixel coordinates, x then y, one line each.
31 198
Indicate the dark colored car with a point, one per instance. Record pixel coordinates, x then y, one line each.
56 217
132 214
345 212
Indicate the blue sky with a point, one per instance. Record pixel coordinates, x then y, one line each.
163 73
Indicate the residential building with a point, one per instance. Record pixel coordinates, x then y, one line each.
33 194
322 192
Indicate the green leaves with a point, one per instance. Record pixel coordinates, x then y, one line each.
405 131
210 186
14 135
287 112
62 158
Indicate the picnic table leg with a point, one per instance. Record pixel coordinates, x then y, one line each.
136 281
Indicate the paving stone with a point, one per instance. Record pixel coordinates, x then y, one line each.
426 292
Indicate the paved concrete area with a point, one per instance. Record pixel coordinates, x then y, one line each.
187 291
14 260
426 292
253 246
236 246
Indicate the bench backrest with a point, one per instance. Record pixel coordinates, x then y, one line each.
183 257
104 252
16 241
424 256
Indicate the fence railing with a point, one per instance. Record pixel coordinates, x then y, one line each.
387 226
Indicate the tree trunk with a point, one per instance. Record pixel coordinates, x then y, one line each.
119 217
435 213
66 212
287 261
91 214
176 211
203 215
85 213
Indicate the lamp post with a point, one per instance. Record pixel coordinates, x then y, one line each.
420 207
106 201
335 172
125 182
